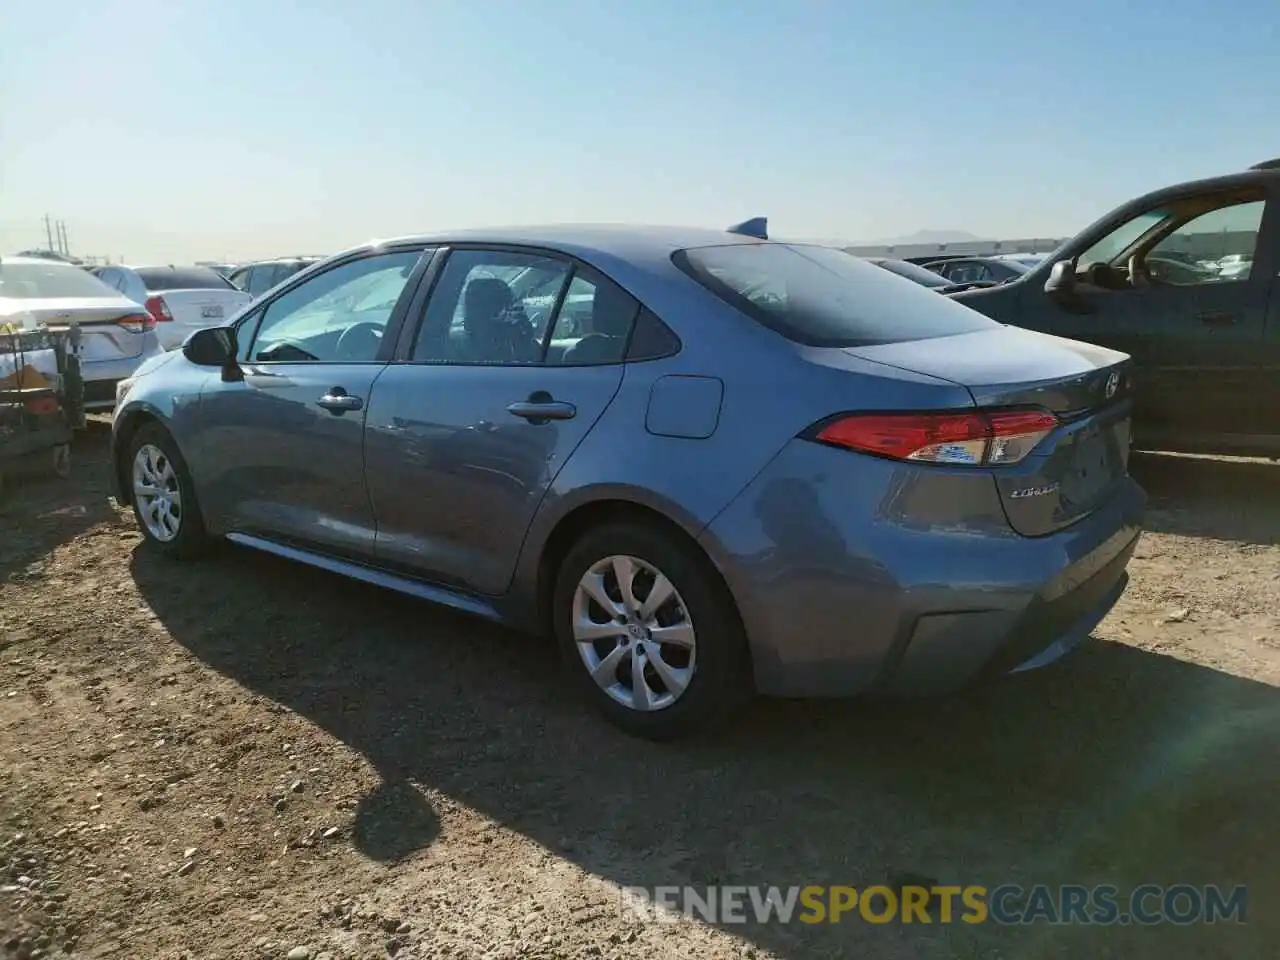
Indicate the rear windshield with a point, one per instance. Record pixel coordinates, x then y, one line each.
182 278
38 281
824 297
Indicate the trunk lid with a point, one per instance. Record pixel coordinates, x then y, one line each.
1081 463
196 309
102 338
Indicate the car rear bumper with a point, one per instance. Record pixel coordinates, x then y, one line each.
886 578
101 376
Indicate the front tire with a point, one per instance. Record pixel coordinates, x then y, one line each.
164 498
649 632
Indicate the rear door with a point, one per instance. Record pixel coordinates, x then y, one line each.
1195 336
469 429
282 451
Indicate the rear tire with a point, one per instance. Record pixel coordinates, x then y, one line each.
168 515
688 653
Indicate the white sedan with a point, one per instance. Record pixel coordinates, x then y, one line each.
181 299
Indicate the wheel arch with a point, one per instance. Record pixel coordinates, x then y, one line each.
580 518
126 426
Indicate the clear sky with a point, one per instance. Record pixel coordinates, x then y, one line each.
183 129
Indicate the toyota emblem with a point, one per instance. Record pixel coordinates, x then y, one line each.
1113 384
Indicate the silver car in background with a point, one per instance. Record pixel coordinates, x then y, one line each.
117 333
180 299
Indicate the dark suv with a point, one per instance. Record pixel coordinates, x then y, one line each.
256 279
1183 280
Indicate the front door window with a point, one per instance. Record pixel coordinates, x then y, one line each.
337 316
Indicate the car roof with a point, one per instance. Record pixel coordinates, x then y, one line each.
614 240
1255 176
40 261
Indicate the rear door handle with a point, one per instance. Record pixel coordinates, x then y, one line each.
337 400
1218 318
542 411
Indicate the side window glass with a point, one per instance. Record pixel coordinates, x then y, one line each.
491 306
1121 238
338 316
1214 247
260 279
594 322
245 331
652 339
264 277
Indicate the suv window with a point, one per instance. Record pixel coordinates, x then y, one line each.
823 297
262 278
1211 248
491 306
1184 242
337 316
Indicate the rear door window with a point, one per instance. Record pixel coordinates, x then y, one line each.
823 297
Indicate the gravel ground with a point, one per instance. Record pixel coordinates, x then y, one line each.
248 758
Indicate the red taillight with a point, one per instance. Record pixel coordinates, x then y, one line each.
158 309
972 437
137 322
40 406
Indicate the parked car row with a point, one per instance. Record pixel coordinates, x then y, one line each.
563 429
179 299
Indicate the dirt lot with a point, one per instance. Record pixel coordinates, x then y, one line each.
248 758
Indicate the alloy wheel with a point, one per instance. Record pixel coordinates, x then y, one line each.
156 492
633 633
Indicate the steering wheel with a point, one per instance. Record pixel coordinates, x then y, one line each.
360 341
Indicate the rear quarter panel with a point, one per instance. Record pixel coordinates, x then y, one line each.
772 390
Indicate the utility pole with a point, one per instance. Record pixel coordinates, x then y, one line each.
62 237
48 232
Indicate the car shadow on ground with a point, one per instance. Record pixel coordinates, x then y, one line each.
1115 766
61 509
1223 498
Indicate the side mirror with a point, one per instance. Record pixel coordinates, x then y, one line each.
214 347
1061 284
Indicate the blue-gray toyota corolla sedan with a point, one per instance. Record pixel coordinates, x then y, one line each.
707 462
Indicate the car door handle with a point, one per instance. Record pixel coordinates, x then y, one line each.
1218 318
338 400
541 411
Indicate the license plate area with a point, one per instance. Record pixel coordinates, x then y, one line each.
1099 458
212 312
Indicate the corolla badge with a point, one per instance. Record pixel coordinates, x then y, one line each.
1113 384
1034 491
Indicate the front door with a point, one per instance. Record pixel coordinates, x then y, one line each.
283 448
517 356
1159 288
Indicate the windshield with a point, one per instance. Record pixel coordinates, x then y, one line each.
913 271
1121 238
1021 266
49 280
824 297
182 278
